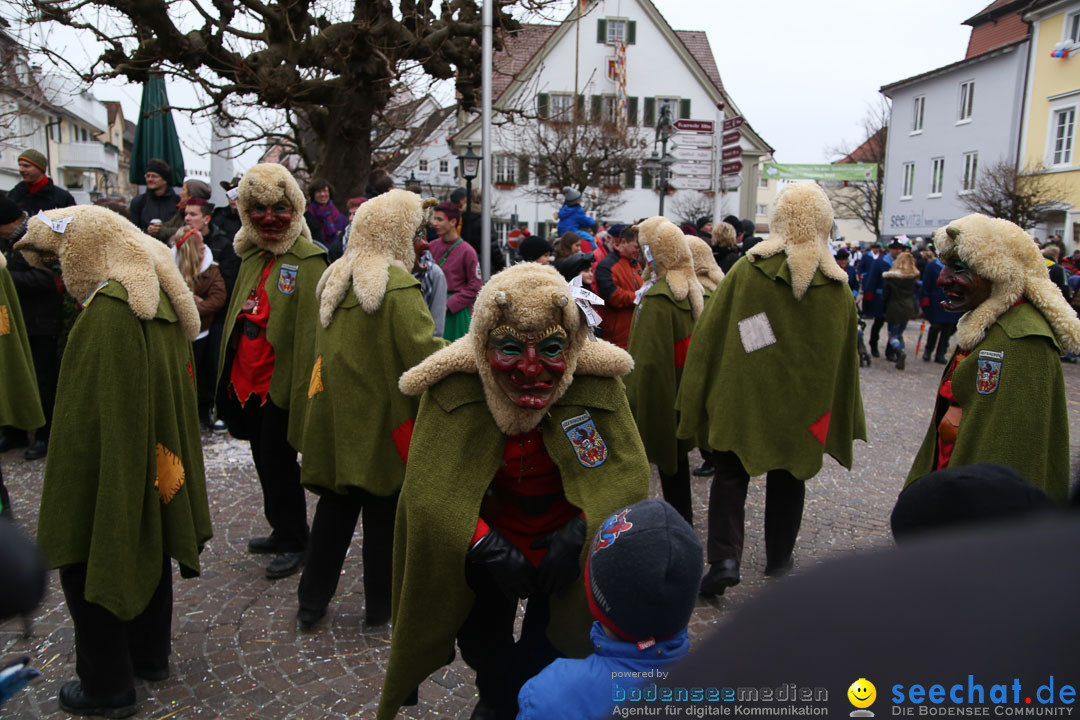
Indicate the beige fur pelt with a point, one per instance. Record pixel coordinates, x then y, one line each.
800 222
3 261
382 235
708 272
672 260
1004 254
268 184
528 297
99 245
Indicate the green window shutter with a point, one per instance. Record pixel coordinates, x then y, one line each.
541 229
601 31
650 112
631 110
523 170
542 106
646 180
597 107
541 174
631 32
684 109
580 107
628 181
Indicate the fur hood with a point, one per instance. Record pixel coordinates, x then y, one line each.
1001 252
800 222
98 245
382 235
708 272
671 259
528 297
269 183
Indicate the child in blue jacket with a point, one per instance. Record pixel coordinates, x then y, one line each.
641 577
572 218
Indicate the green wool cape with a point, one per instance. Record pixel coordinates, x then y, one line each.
20 405
660 323
290 329
784 405
456 451
357 418
125 485
1022 419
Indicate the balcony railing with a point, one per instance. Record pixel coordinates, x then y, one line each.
89 155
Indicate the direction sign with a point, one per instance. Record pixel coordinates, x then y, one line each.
692 183
730 153
731 138
694 139
698 126
731 168
690 153
690 168
730 182
733 123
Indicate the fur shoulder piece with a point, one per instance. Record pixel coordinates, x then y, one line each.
708 272
1001 252
604 359
672 260
800 222
3 261
382 235
269 184
457 357
94 245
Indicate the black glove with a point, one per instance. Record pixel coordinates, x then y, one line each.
560 567
509 568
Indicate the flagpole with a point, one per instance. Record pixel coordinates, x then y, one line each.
485 143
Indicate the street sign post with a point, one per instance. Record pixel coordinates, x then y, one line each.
698 126
692 139
731 138
731 168
733 123
692 183
691 153
691 168
730 182
731 153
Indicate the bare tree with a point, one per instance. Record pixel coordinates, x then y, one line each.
863 200
328 69
1024 197
689 205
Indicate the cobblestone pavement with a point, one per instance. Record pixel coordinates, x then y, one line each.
237 649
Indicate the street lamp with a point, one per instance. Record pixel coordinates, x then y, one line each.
470 168
412 184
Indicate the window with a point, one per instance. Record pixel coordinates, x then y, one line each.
971 168
762 209
608 108
423 166
612 180
967 100
1063 133
561 105
444 166
616 31
909 179
612 30
764 182
505 169
672 105
1072 27
937 175
917 114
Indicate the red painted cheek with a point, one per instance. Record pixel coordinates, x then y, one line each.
555 365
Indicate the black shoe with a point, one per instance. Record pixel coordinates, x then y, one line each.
926 356
941 360
706 469
890 354
10 442
284 565
265 546
309 617
901 359
874 352
721 576
377 618
38 450
779 568
152 674
487 711
74 701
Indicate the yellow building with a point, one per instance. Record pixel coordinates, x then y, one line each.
1051 110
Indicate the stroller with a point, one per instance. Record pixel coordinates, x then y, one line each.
864 356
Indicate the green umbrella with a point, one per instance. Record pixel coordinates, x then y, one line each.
155 134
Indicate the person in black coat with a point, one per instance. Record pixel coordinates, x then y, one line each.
37 192
159 202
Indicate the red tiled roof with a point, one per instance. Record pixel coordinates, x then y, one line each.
698 45
869 151
990 35
994 10
519 47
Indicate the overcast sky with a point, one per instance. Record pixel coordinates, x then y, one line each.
802 72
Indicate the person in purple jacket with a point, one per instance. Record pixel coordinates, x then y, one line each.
460 265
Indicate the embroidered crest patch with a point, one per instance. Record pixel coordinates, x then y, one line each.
286 283
988 375
611 529
589 446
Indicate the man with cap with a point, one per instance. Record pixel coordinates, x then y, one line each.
1002 396
617 281
874 296
192 189
641 579
704 226
843 259
159 202
36 191
771 381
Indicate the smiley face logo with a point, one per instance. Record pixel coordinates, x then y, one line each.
862 693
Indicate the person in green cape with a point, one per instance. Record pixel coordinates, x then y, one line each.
373 326
709 274
523 444
1005 370
667 305
457 259
124 491
771 382
267 350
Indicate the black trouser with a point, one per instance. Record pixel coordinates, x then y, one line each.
331 534
939 332
5 499
487 642
875 332
46 367
784 494
205 351
279 473
676 489
108 650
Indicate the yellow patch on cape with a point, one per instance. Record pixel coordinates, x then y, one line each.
315 386
170 474
5 320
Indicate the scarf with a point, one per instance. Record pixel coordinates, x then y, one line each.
331 218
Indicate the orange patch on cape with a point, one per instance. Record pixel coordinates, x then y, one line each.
170 474
5 320
315 386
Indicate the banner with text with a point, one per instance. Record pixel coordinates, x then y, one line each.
852 172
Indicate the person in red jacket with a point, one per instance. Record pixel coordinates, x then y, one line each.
617 282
